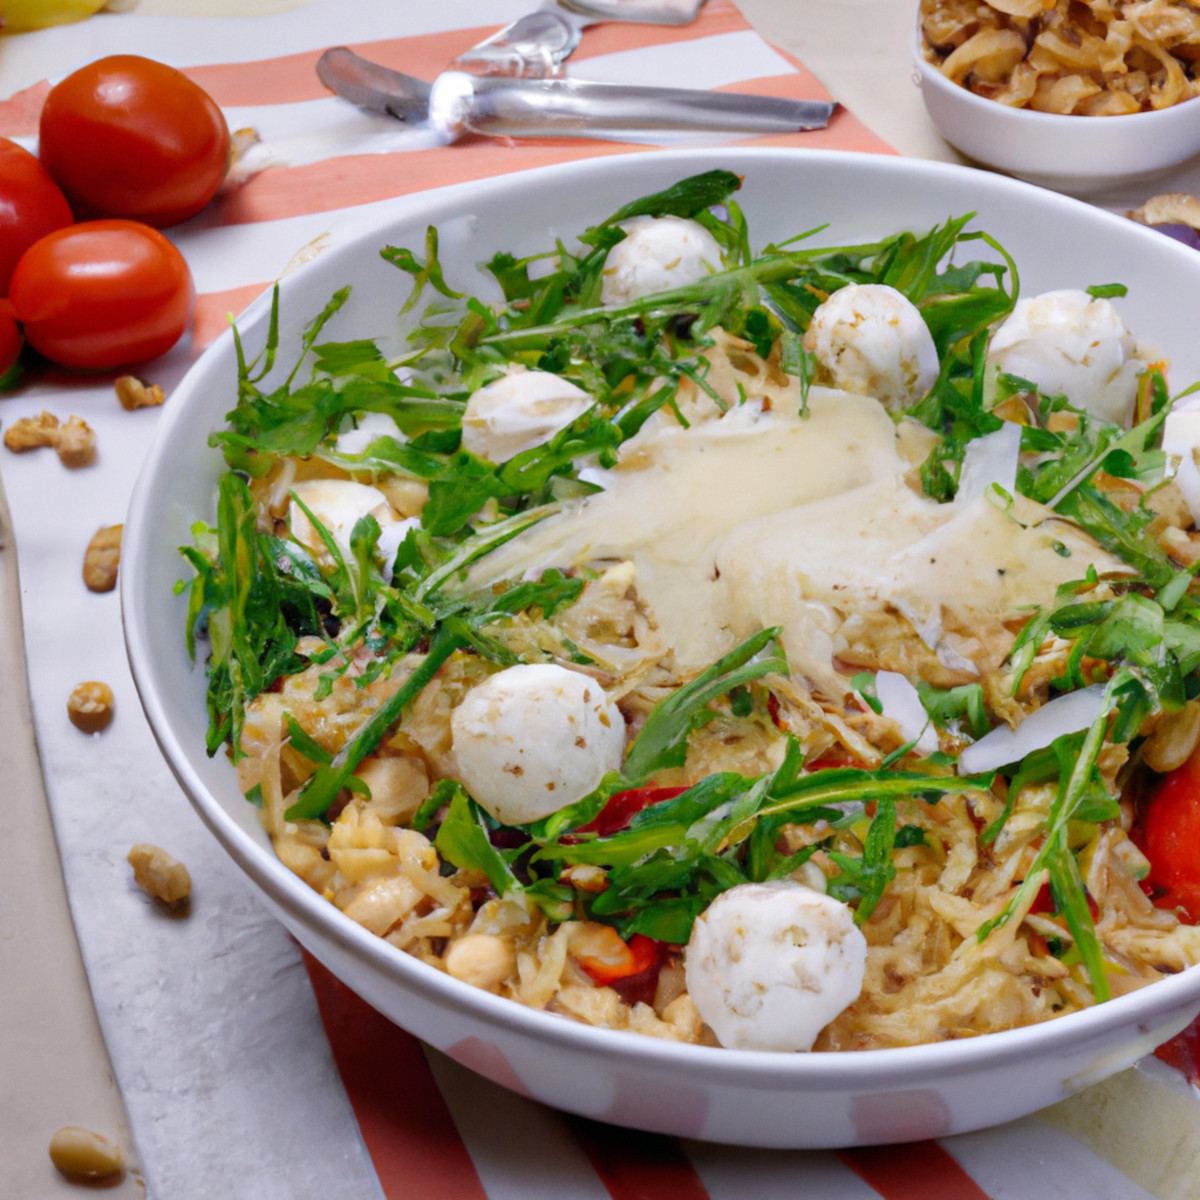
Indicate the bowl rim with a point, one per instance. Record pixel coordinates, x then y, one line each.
884 1069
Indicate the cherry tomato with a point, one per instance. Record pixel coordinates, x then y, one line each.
10 344
31 206
102 294
130 137
1168 831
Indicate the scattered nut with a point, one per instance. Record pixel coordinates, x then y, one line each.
102 558
481 959
244 163
1174 739
1171 208
584 877
158 873
90 706
241 140
82 1153
75 441
134 393
29 433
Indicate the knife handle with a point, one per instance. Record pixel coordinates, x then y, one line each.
567 107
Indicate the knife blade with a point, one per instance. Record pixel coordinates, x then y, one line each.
457 103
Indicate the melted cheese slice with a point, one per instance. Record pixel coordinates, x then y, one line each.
766 518
882 545
676 496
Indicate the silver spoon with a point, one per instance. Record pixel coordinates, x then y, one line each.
536 45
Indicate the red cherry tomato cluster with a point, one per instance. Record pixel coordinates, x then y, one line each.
128 146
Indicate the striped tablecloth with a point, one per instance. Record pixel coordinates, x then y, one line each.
246 1070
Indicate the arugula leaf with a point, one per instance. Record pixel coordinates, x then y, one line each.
947 705
462 839
427 273
300 741
676 855
553 591
662 740
1080 786
347 358
321 788
252 614
683 199
867 878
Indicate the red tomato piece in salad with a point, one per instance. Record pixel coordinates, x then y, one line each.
624 806
608 958
1168 831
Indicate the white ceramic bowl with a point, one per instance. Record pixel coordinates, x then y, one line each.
751 1098
1077 155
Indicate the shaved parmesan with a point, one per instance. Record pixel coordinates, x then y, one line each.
1066 714
902 704
990 461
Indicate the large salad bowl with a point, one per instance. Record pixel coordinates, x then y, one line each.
744 1097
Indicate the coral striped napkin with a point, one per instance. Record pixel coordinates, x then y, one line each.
238 1084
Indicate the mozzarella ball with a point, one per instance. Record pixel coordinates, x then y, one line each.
1181 440
533 738
519 411
769 965
657 253
873 341
371 425
1070 344
390 538
337 504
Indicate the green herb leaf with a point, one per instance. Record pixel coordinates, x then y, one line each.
662 740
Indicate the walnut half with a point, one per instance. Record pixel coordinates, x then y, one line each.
133 393
101 559
75 441
160 874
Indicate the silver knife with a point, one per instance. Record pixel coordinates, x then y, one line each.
457 103
536 45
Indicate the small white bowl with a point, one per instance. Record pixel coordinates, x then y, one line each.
739 1096
1077 155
